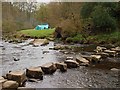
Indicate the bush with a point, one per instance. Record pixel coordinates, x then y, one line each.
102 20
68 28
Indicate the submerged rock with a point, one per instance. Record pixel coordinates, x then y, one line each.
62 66
10 85
49 68
34 72
18 76
71 63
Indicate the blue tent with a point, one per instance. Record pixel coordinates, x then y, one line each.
42 26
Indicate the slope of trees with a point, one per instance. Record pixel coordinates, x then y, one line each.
17 16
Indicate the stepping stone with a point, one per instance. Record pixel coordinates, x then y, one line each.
96 58
34 72
18 76
82 61
62 66
10 85
110 52
71 63
49 68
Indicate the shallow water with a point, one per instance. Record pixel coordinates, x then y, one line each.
95 76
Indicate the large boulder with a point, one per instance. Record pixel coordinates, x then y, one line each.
18 76
71 63
10 85
110 52
34 72
37 42
82 61
49 68
62 66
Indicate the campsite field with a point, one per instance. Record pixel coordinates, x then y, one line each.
38 33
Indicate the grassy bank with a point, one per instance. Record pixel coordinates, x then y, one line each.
113 38
37 33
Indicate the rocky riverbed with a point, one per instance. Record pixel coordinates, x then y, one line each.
24 55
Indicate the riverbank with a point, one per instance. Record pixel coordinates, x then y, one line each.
110 38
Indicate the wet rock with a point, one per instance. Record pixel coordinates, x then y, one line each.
34 72
103 55
2 79
18 76
49 68
16 59
62 66
114 69
45 43
111 53
100 49
95 58
10 85
69 58
37 42
87 57
117 49
71 63
81 60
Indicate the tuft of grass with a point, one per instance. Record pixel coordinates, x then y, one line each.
37 33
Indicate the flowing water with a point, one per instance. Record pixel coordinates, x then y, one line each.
95 76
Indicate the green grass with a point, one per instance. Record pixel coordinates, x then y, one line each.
113 38
37 33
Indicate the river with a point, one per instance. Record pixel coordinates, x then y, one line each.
95 76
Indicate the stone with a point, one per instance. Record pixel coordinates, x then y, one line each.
71 63
96 58
45 43
115 69
34 72
117 49
10 85
69 58
2 79
62 66
110 52
87 57
100 49
103 55
49 68
81 60
18 76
